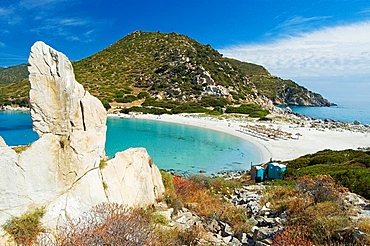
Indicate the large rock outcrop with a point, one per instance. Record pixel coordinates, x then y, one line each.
60 171
129 170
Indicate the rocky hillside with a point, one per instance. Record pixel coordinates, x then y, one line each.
174 67
13 74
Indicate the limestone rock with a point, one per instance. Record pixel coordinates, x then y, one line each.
134 172
61 106
2 142
60 171
11 184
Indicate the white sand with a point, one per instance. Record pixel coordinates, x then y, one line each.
311 141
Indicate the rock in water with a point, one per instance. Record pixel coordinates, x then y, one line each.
60 171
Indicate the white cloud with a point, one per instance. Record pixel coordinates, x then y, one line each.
333 51
8 15
299 24
70 29
30 4
365 11
72 22
5 11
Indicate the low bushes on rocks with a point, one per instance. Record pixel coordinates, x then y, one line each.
204 202
24 229
293 235
108 224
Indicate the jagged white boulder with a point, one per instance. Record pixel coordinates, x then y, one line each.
61 106
60 171
133 170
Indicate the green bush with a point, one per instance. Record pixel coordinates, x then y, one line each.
25 228
167 179
160 104
143 94
158 219
349 168
126 99
106 104
213 101
189 108
252 110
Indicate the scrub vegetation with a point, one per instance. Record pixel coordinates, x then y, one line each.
24 229
349 168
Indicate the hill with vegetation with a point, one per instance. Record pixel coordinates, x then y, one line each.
350 168
13 74
170 68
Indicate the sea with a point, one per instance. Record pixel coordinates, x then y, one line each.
346 111
181 148
178 148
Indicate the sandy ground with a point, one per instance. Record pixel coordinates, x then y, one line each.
311 141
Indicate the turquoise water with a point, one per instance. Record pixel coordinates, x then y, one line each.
183 149
16 128
345 111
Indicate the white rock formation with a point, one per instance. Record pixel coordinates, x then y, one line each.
61 106
60 171
2 142
129 169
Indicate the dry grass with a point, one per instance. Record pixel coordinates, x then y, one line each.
321 188
314 204
204 203
107 224
286 198
175 236
20 148
364 225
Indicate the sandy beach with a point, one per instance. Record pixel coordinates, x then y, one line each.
309 141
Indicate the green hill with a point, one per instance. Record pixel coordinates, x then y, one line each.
174 68
13 74
350 168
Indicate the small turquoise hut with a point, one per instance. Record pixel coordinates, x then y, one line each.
257 173
275 170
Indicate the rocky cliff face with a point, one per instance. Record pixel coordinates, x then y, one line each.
60 171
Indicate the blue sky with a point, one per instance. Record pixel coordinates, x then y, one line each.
318 43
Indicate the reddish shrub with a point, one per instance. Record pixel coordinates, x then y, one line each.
108 224
293 235
183 187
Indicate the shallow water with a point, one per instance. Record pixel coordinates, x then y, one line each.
177 147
